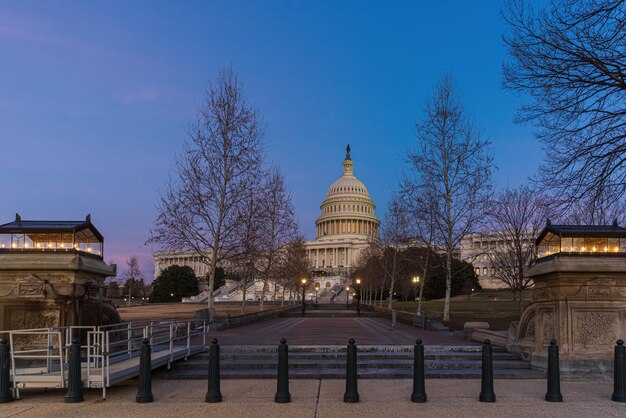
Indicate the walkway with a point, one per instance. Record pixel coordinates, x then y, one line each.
322 331
322 399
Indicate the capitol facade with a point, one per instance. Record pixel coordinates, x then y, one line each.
346 226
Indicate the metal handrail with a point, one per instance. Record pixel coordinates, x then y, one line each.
106 345
50 356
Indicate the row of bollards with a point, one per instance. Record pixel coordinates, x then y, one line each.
351 395
487 394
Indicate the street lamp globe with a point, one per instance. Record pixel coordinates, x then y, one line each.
358 281
303 281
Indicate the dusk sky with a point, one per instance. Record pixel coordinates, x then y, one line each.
96 98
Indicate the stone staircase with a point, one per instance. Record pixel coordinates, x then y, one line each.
374 362
331 310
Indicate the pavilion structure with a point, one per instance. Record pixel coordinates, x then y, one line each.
52 274
579 298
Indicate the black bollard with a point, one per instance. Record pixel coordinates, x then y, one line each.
486 375
144 390
74 380
554 379
352 394
282 386
213 394
619 373
419 387
5 374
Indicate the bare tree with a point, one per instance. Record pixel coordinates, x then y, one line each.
369 269
223 156
452 164
292 265
421 204
516 216
594 210
394 235
132 278
248 232
570 58
277 228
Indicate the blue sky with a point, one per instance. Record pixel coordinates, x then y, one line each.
96 97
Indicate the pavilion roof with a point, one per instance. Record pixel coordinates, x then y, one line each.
582 231
20 226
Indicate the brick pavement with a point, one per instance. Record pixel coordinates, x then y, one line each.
313 330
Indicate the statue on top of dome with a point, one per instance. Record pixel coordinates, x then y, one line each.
348 152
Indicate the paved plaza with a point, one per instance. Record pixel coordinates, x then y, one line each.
315 330
324 398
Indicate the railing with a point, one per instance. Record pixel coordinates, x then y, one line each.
34 353
39 356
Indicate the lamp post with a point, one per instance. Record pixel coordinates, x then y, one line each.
303 282
317 288
416 281
358 296
347 297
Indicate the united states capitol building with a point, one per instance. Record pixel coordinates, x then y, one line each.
346 226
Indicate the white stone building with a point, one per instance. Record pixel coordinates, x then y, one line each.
346 226
479 249
165 259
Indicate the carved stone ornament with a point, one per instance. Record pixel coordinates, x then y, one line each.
540 294
546 323
601 281
595 330
30 319
598 292
619 292
32 286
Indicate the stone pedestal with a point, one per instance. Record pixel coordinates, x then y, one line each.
581 302
48 289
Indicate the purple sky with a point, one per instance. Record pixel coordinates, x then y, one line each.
96 97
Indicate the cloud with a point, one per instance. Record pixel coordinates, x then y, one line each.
39 32
145 94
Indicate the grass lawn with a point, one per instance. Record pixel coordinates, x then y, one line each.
498 310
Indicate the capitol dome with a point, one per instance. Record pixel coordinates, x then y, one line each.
348 208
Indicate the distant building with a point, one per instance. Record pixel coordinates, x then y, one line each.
165 259
479 249
347 225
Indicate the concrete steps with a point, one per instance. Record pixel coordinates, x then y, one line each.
377 362
327 313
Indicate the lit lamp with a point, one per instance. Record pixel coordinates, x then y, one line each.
416 281
347 297
357 294
303 282
317 288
